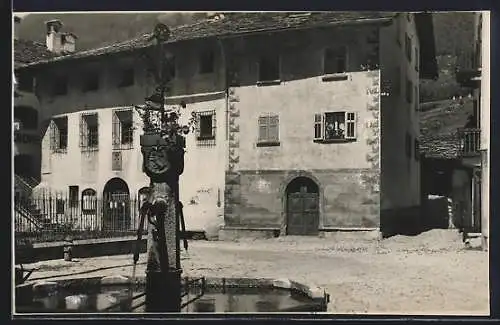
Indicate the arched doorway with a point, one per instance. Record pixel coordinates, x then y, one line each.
302 207
116 205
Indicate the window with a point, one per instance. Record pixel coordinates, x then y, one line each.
417 150
268 130
408 145
59 134
89 132
91 82
60 86
408 47
123 129
116 160
25 81
89 201
269 68
335 60
409 91
127 78
73 196
334 126
207 62
205 127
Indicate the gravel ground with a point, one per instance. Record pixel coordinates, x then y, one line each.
427 274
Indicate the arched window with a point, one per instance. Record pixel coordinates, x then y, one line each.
89 201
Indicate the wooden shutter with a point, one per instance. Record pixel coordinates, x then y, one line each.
350 125
319 120
273 128
54 136
115 131
263 128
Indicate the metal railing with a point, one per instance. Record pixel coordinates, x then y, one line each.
470 141
25 184
54 219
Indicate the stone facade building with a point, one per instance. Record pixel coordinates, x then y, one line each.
307 122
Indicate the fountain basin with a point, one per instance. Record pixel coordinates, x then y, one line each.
113 294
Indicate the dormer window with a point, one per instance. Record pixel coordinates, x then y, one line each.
207 62
91 82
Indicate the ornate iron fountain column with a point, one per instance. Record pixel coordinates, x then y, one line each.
162 147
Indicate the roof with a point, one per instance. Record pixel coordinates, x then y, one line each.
237 24
26 52
439 126
233 24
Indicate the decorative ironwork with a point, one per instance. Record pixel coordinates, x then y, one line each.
89 131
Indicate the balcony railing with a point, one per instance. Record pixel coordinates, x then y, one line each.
470 142
468 69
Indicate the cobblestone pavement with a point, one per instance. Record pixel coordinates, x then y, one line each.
428 274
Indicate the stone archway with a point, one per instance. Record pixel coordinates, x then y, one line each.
116 205
302 207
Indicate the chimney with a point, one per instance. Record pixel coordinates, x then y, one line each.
57 41
17 23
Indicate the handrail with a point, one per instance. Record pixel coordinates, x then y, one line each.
26 214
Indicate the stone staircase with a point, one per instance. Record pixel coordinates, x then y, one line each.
28 217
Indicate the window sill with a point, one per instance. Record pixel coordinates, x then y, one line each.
205 138
268 144
62 151
324 141
124 147
268 82
89 149
335 77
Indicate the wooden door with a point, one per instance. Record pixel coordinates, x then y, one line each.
302 214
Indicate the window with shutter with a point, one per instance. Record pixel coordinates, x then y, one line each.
89 132
318 126
59 134
123 129
335 127
268 130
